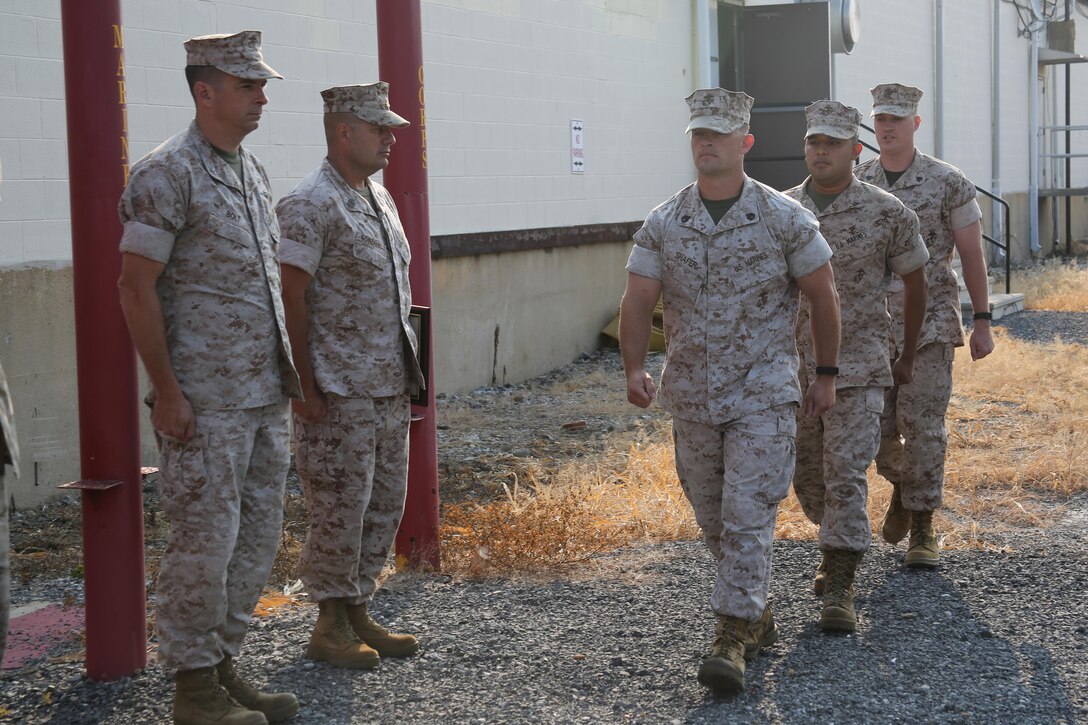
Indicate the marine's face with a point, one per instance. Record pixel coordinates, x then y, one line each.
895 134
719 154
371 146
830 160
238 102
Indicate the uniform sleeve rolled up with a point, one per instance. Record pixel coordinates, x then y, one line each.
645 258
299 255
147 241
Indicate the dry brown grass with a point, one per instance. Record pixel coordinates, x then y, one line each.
1018 439
558 520
1053 285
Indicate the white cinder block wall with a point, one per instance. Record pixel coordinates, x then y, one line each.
33 147
504 79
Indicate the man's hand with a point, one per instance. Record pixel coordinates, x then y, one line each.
641 390
903 370
820 396
982 341
173 417
636 315
312 407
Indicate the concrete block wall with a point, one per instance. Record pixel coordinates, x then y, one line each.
893 35
966 130
504 79
33 147
1015 67
881 55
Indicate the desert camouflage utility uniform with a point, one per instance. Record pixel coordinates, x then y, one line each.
912 427
730 378
875 239
222 491
353 463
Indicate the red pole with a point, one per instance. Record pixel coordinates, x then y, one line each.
109 438
400 63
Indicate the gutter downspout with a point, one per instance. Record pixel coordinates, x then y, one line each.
701 8
1055 176
996 219
1033 127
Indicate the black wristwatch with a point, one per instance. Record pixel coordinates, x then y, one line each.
984 316
826 370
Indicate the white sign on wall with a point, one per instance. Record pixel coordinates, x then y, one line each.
577 147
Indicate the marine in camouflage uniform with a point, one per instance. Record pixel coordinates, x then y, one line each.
200 289
9 454
345 268
873 237
729 255
913 439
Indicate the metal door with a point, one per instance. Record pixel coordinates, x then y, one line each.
781 56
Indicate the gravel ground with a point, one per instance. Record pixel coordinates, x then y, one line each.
1044 326
989 637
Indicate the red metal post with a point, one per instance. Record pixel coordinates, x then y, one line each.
109 438
400 63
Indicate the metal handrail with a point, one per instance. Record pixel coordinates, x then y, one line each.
993 197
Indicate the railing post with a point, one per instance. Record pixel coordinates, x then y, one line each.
109 438
400 63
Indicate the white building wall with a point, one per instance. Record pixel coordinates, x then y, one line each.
1015 71
895 46
965 126
33 148
504 79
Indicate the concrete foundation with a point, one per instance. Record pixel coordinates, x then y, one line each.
1049 242
502 318
37 346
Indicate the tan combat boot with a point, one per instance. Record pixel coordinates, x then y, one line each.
838 614
388 644
276 706
762 634
924 550
897 519
200 700
723 669
821 575
333 641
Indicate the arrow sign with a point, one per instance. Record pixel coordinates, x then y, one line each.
577 147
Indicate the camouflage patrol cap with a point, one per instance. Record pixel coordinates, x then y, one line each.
833 119
238 55
369 102
896 99
719 110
